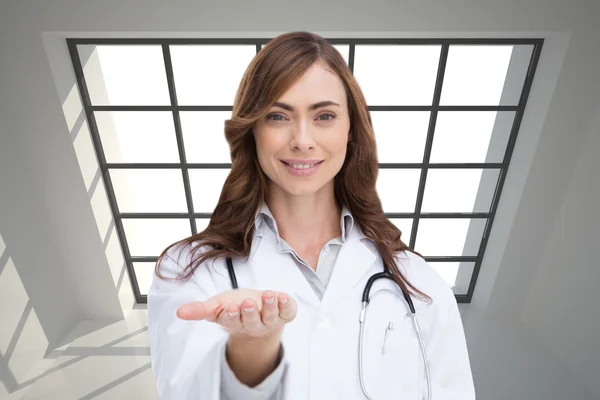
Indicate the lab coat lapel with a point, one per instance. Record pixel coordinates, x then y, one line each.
353 262
275 267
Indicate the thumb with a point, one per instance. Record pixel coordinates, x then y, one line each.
200 310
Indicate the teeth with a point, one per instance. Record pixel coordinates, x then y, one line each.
303 166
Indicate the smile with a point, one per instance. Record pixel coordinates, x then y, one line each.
302 169
302 166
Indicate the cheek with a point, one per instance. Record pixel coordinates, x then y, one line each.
337 146
267 146
264 145
271 138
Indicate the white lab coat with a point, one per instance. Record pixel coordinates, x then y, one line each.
321 344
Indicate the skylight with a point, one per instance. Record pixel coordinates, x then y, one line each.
446 115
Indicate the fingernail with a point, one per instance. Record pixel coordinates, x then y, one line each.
232 314
269 300
250 309
283 300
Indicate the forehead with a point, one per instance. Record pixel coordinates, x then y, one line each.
318 83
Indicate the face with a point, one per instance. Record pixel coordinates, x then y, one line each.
301 141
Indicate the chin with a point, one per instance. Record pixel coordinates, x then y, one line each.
303 189
300 191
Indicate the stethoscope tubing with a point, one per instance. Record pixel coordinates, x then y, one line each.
363 314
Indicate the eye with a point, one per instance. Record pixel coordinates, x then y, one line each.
275 117
332 117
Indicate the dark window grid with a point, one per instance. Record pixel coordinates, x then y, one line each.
434 108
371 108
389 215
381 165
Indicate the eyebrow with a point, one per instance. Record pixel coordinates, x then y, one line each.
312 107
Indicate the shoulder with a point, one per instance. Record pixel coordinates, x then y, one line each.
178 257
422 275
175 276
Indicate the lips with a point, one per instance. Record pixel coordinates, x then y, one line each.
301 164
302 167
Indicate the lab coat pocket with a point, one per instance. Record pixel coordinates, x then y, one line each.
394 367
402 367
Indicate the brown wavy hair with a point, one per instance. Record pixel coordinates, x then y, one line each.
272 71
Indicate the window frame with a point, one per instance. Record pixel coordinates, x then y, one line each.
423 166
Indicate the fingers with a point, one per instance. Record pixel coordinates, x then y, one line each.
287 307
199 310
264 310
251 316
243 318
231 319
193 311
270 308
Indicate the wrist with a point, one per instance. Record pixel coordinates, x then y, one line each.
254 343
252 359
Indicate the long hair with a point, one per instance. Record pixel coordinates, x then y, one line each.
272 71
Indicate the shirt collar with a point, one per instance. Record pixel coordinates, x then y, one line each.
264 216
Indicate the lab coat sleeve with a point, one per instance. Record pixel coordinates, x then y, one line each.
269 389
185 355
448 357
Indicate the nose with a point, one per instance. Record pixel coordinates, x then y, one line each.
302 138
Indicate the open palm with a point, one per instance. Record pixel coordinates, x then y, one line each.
244 311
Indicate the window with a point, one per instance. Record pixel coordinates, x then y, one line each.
446 115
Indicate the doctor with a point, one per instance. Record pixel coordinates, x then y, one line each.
300 217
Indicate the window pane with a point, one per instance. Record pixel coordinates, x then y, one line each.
397 74
149 237
344 50
447 270
405 226
122 132
125 75
144 272
456 274
204 136
397 189
471 136
449 236
206 188
149 190
209 74
400 135
485 75
459 190
201 224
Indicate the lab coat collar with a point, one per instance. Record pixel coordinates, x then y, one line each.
355 260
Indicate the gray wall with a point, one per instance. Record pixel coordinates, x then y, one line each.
543 232
563 307
550 348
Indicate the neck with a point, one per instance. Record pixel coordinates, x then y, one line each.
306 221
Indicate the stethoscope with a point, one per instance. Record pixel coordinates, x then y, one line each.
363 314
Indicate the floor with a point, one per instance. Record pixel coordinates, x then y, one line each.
109 362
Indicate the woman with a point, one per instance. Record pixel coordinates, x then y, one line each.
300 217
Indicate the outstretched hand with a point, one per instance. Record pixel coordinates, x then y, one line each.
244 311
